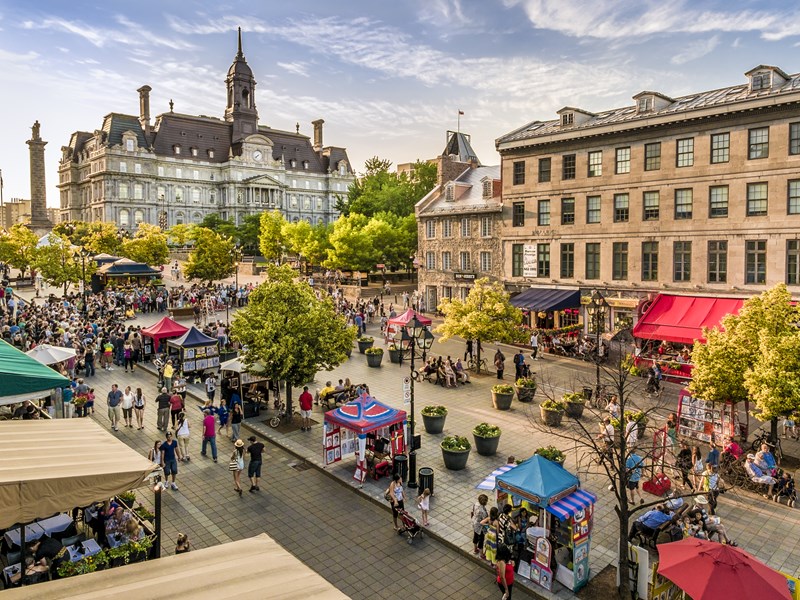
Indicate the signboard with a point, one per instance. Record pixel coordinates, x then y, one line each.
333 445
529 261
464 276
705 420
406 384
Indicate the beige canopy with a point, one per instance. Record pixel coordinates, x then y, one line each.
47 466
253 568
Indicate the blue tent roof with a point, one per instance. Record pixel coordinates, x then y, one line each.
544 299
537 480
193 337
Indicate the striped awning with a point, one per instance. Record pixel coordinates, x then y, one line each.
490 482
568 506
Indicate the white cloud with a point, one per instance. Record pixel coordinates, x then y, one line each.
694 50
442 13
297 68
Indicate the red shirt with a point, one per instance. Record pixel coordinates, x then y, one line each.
509 574
176 402
208 426
306 400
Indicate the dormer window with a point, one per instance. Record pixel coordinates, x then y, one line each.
305 164
761 81
487 188
567 118
211 153
645 104
176 148
193 151
293 163
449 193
129 145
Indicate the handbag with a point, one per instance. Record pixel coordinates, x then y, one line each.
233 465
387 496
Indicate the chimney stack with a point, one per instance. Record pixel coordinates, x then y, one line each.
144 110
317 134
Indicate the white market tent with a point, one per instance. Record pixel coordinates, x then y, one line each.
51 355
256 567
50 466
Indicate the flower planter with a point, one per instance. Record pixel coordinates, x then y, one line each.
525 394
455 460
502 401
433 424
374 360
362 346
551 418
574 410
486 446
395 355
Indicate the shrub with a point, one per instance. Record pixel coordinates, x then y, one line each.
553 405
526 382
373 350
551 453
127 497
485 430
574 398
434 410
394 347
502 388
366 338
635 371
456 443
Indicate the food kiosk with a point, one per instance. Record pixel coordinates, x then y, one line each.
196 351
560 524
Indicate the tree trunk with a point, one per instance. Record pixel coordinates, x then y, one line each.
289 402
478 350
773 430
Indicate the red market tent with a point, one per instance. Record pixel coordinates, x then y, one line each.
166 328
680 319
394 324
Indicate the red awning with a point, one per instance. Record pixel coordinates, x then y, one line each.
680 319
407 316
165 328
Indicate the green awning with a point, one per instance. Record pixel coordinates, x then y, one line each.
25 378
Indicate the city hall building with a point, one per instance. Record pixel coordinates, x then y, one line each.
183 167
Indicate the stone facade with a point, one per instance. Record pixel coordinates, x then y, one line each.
38 208
185 167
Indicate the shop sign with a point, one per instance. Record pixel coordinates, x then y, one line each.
529 258
464 276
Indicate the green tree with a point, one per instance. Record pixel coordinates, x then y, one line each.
18 247
352 246
148 245
60 263
217 224
295 235
97 237
212 258
247 233
318 244
181 234
396 237
270 240
485 315
290 331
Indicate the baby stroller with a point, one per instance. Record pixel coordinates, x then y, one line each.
410 526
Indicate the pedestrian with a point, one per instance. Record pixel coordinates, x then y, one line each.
468 351
170 454
424 504
606 438
222 413
306 401
396 495
236 465
162 402
534 345
256 451
490 540
139 403
175 406
182 433
182 545
127 355
499 363
209 434
66 402
519 362
697 467
155 453
479 513
504 569
684 464
169 371
236 421
713 455
114 399
211 386
631 432
712 483
127 406
633 468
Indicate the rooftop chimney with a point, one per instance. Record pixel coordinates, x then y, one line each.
317 134
144 110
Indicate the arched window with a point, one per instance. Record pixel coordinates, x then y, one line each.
246 97
320 221
138 216
197 217
179 218
307 203
124 217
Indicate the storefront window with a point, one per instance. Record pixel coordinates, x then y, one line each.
569 316
623 319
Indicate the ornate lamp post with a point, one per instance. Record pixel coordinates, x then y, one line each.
417 335
597 310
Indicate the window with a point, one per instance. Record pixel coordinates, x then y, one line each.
465 227
179 218
447 225
720 148
793 262
137 168
447 291
212 196
160 171
487 188
621 208
649 261
138 191
756 199
123 167
758 143
544 169
760 81
176 149
210 152
464 262
518 214
430 260
593 209
178 173
447 261
294 205
619 269
652 156
717 261
645 104
623 161
755 264
123 190
517 252
129 145
307 203
543 216
682 261
593 260
124 218
568 166
685 152
543 260
486 261
718 201
683 204
596 163
449 192
650 201
193 151
430 229
196 195
793 204
138 216
195 174
178 194
567 118
794 138
486 227
567 211
161 192
519 172
568 261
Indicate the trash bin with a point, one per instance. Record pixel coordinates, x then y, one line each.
587 394
425 479
400 466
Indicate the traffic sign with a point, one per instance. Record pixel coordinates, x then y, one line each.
407 384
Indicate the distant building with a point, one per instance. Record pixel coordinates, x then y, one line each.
15 211
184 167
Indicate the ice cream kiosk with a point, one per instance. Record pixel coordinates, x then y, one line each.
560 522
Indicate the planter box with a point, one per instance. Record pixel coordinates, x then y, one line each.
374 360
362 346
433 424
502 401
455 461
486 446
395 356
525 394
551 418
574 410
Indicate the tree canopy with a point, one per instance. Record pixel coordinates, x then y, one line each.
270 238
97 237
148 245
18 246
212 258
60 264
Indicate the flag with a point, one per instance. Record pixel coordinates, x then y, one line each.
460 112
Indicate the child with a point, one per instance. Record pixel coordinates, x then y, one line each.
424 504
89 402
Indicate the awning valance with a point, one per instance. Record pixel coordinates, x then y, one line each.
544 299
680 319
569 506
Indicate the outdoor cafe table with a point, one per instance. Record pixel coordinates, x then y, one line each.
89 547
55 524
32 532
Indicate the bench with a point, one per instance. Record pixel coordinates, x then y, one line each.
184 311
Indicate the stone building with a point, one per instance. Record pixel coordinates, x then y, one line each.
16 210
698 194
459 223
183 167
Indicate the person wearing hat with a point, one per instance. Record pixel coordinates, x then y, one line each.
236 465
758 476
255 450
170 454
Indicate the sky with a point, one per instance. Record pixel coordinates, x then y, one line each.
388 77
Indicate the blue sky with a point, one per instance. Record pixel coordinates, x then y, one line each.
387 77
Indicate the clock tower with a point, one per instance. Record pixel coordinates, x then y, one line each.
241 110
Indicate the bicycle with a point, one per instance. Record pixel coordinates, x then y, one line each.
600 400
478 365
764 438
282 415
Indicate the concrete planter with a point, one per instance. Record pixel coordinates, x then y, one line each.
574 410
551 418
455 460
486 446
433 424
525 394
395 355
374 360
502 401
362 346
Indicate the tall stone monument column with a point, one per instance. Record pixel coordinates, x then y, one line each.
39 221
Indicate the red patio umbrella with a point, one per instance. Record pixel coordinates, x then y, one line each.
709 571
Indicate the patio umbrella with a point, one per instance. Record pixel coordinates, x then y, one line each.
707 571
50 355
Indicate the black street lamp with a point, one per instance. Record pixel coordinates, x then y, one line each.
597 310
416 334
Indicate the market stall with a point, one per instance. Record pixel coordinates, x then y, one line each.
25 378
704 420
195 351
372 431
396 324
153 336
560 524
251 385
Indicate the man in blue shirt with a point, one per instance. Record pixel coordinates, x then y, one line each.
713 455
646 525
634 469
170 453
